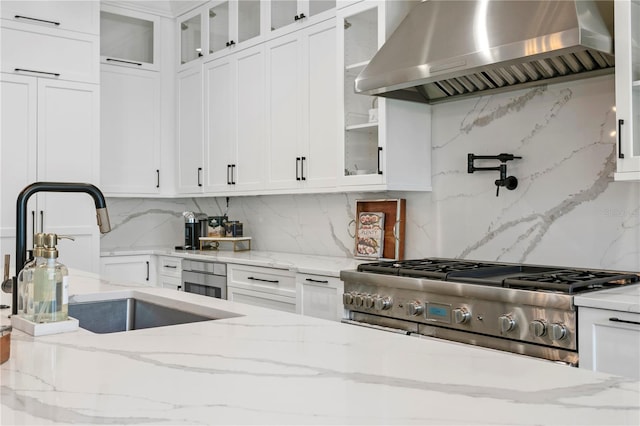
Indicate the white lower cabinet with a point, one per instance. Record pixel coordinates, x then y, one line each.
265 287
609 341
140 269
319 296
170 272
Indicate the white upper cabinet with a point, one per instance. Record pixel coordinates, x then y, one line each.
190 36
130 131
302 100
290 15
190 131
128 38
368 161
235 122
627 48
80 16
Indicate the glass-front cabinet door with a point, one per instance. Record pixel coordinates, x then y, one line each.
286 12
219 31
190 28
248 20
361 128
127 38
627 40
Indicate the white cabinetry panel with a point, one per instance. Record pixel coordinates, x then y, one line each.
190 130
81 16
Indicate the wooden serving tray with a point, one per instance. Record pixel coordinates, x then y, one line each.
394 224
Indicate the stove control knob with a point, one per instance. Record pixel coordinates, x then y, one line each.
538 328
461 315
368 301
506 323
347 298
382 303
414 309
358 299
557 331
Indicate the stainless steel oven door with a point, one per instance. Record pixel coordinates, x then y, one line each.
205 284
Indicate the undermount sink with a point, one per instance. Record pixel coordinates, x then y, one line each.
112 316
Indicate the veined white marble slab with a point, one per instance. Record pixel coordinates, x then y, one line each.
624 299
271 367
304 263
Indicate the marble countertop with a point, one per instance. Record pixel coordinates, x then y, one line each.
624 299
308 264
260 366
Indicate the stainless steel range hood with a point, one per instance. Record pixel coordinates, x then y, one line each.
447 49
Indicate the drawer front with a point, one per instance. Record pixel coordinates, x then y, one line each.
263 300
41 53
263 279
174 283
82 16
320 296
170 267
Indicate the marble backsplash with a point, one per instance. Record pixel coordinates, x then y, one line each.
567 210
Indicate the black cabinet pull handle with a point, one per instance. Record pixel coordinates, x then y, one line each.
147 271
157 178
233 174
311 280
302 16
170 266
297 168
302 160
379 160
199 173
230 43
228 174
620 123
614 319
179 288
124 62
295 18
55 74
263 280
37 20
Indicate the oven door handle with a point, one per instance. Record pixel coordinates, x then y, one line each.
376 327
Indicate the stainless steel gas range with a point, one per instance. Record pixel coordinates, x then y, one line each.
525 309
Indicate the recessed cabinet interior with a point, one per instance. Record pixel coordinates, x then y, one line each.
128 38
627 47
369 158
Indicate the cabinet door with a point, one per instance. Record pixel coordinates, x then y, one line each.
44 52
263 300
79 16
250 121
320 167
130 124
190 130
284 81
609 341
221 116
18 141
129 38
319 296
190 36
627 16
68 151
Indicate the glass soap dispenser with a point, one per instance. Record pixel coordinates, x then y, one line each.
50 285
25 278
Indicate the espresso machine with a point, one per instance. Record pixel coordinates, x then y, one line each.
196 225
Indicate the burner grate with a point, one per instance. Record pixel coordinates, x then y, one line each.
571 281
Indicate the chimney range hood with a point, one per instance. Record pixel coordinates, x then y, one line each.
447 49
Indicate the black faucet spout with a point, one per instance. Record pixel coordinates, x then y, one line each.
21 219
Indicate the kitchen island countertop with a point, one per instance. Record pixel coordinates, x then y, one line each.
270 367
296 262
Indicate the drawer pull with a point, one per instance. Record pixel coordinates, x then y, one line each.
37 20
37 72
171 266
124 62
311 280
263 280
614 319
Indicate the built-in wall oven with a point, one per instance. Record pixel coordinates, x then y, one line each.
206 278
